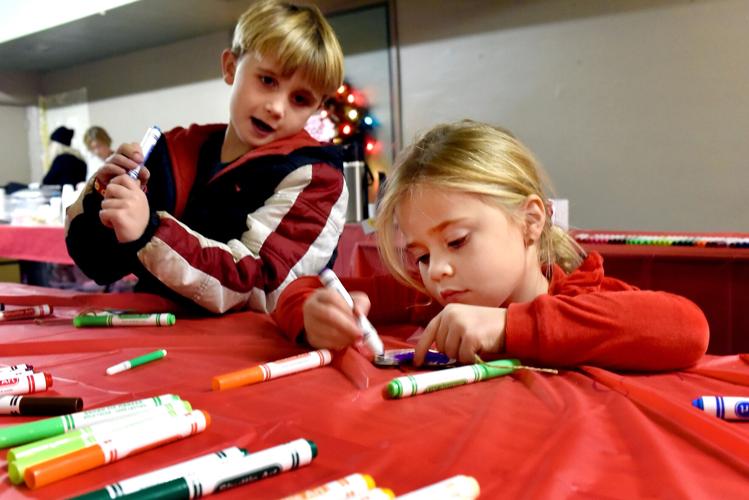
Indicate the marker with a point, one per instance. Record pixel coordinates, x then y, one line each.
136 484
398 357
351 486
725 407
274 369
23 457
94 320
132 363
371 338
146 146
40 429
22 367
237 472
24 383
411 385
39 405
26 313
459 487
121 444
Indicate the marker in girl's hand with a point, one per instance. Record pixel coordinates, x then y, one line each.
146 146
371 338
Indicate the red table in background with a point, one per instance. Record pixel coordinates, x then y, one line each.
586 433
37 243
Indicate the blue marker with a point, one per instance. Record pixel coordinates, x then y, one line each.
146 146
725 407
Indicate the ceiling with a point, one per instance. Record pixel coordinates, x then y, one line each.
139 25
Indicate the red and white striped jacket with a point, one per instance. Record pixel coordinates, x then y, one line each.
224 239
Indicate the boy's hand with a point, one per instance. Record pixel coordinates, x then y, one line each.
329 322
125 208
127 157
461 331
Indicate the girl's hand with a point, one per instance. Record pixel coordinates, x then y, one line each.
127 157
461 331
329 323
125 208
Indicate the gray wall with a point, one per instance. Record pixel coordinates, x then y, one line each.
638 110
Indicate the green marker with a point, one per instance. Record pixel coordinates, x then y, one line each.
232 473
94 320
135 484
40 429
411 385
140 360
22 457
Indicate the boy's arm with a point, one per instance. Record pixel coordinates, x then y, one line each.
629 330
294 233
93 246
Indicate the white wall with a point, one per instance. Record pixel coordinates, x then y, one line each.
14 151
639 110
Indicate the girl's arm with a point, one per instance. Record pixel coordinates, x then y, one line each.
629 330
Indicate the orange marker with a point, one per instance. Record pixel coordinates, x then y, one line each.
274 369
121 444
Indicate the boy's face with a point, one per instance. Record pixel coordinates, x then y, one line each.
265 105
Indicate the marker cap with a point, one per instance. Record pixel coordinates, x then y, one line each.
65 466
30 431
697 403
43 405
312 447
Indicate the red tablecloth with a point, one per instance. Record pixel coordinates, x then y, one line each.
586 433
37 243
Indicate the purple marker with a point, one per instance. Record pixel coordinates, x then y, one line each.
397 357
146 146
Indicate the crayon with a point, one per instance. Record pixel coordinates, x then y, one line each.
137 483
39 405
725 407
96 320
274 369
22 367
26 312
24 383
122 443
132 363
351 486
23 457
371 338
146 146
40 429
458 487
411 385
237 472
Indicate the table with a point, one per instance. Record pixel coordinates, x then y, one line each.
587 432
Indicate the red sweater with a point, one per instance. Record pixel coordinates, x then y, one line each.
586 318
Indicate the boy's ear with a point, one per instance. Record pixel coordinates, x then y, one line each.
228 65
534 217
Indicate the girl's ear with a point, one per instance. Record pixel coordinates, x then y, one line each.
228 65
533 213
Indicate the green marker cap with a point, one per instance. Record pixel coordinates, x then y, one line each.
394 389
31 431
312 447
85 320
176 488
498 367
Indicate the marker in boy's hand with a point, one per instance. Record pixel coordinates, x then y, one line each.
129 159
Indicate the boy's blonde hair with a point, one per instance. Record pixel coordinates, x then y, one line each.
475 158
298 36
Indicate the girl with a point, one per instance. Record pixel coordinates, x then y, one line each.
464 221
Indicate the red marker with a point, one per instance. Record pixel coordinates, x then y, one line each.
25 383
26 313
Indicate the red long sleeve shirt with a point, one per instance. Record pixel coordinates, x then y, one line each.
585 318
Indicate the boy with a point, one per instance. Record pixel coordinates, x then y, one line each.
234 212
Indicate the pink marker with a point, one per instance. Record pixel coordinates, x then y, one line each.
25 383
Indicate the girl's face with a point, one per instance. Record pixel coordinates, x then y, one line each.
468 251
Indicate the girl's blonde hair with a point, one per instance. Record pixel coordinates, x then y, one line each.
298 36
475 158
96 133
